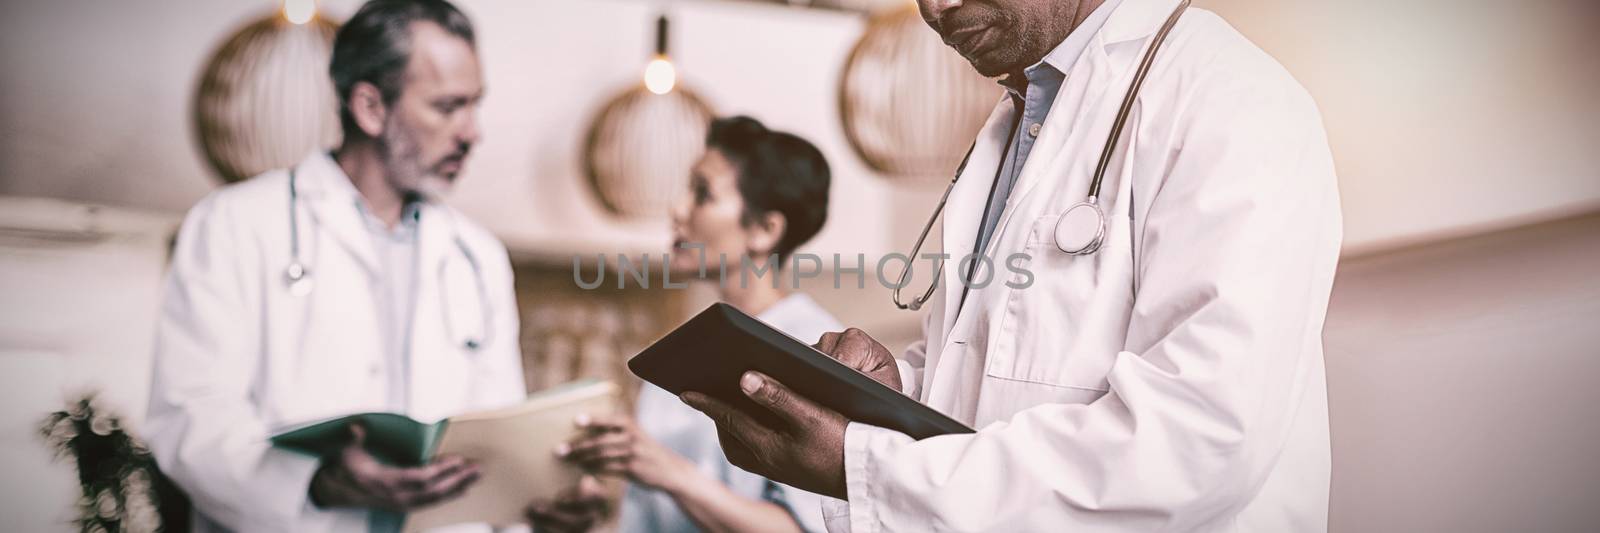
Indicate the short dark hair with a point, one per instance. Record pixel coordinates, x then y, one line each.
779 172
374 46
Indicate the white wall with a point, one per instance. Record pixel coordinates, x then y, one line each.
1446 116
1461 385
80 289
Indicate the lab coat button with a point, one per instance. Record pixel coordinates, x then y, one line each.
1033 129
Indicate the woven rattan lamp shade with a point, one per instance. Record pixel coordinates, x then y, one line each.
265 99
641 147
910 105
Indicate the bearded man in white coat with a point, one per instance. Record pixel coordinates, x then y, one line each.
1173 379
339 286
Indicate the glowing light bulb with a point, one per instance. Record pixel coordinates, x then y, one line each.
299 11
660 76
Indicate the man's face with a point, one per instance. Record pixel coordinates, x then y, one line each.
433 123
1000 36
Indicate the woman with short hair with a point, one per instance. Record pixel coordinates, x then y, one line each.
756 194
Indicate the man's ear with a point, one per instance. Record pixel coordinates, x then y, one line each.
765 233
368 108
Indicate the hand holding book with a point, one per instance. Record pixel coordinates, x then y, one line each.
355 478
484 467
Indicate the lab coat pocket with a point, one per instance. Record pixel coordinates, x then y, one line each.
1066 326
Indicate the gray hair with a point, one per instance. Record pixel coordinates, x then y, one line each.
374 46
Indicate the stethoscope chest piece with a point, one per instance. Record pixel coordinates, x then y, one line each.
1081 229
298 278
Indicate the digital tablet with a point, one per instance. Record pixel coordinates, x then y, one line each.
711 351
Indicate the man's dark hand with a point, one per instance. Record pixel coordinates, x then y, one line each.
806 453
857 350
354 478
574 511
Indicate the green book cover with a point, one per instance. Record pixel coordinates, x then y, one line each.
392 438
512 446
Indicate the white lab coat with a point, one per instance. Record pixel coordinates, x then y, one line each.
1173 381
238 356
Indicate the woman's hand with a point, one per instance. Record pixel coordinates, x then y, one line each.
575 510
614 445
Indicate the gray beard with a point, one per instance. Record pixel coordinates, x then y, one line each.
402 163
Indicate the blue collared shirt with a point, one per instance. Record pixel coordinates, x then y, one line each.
1044 80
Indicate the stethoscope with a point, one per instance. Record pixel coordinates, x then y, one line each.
299 281
1082 227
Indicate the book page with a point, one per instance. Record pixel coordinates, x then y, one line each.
515 452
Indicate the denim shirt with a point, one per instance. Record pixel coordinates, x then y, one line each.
1033 96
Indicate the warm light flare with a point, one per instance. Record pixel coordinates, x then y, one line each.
660 76
299 11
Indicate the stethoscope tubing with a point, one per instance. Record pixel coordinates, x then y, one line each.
1126 110
1123 113
297 274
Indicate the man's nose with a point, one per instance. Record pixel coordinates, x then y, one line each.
935 9
469 132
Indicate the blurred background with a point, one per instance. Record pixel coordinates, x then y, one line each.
1462 346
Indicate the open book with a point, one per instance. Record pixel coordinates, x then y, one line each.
513 447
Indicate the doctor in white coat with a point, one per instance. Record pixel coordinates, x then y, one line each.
1169 380
336 287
